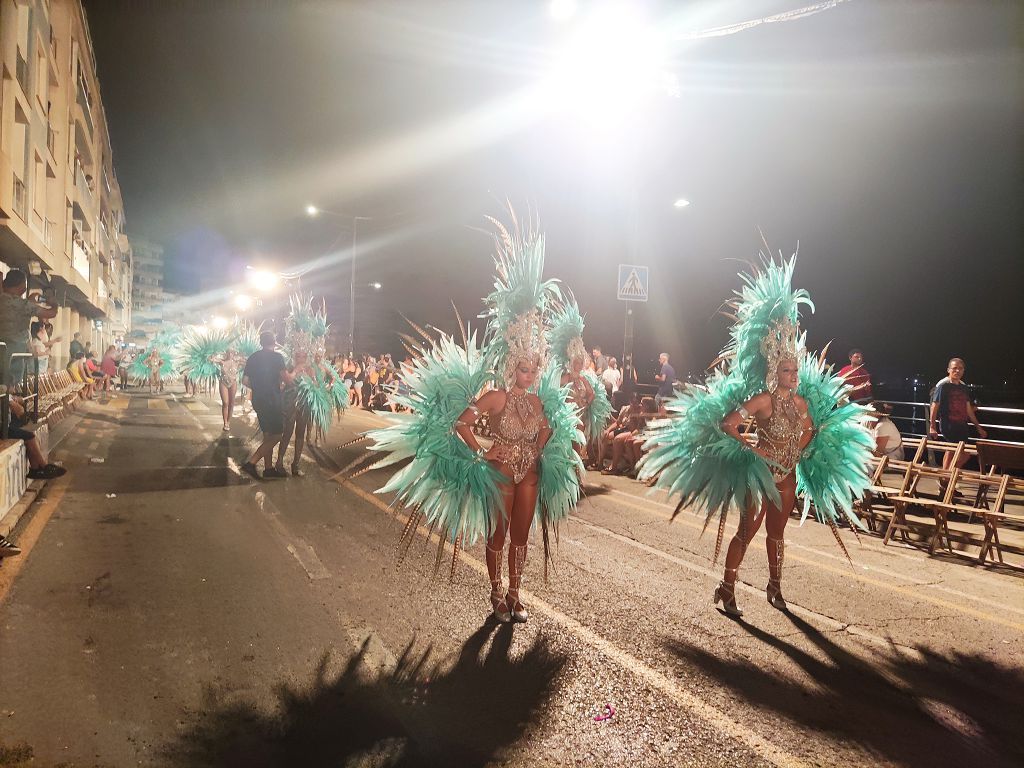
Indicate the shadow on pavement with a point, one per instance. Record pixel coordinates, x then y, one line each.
920 709
421 713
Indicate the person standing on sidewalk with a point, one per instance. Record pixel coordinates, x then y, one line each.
263 375
16 313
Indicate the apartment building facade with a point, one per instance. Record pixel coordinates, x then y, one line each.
61 212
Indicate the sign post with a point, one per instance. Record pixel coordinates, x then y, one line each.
632 285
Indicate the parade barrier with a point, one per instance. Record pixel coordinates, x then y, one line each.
896 489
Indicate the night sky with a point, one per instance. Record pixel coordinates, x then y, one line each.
885 137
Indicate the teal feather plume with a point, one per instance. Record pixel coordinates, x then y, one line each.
566 326
560 465
833 469
320 397
455 489
247 338
196 345
596 415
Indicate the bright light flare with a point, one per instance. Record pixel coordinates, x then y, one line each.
218 322
376 286
312 210
262 280
681 203
243 303
610 66
562 10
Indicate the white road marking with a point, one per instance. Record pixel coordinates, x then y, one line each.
300 549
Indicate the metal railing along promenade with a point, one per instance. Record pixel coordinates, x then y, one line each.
1003 424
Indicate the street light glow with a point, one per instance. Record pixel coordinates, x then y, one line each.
681 203
218 322
376 286
243 303
312 210
615 61
261 279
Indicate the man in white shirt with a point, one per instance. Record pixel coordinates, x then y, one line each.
612 377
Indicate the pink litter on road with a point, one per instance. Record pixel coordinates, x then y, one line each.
606 714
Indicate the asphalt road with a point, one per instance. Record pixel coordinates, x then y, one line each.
170 611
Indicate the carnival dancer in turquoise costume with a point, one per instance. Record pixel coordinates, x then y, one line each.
314 392
209 356
530 474
810 440
569 356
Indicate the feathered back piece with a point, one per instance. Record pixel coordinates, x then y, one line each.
565 336
166 341
690 454
517 307
247 338
305 327
196 350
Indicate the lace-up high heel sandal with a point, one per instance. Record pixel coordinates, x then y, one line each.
725 593
774 589
519 612
499 603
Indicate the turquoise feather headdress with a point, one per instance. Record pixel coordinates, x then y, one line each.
305 327
517 307
565 336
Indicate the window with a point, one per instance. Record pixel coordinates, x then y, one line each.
39 187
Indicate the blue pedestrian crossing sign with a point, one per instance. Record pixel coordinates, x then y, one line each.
633 282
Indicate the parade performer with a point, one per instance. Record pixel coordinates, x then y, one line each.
216 355
313 392
530 475
810 439
569 356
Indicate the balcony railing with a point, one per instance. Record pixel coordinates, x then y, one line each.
21 72
85 193
83 102
19 197
51 140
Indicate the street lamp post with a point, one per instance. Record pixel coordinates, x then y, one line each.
312 210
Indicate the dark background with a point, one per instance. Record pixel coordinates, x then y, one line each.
885 137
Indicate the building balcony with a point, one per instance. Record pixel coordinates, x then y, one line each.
83 102
51 141
84 195
19 197
21 72
49 234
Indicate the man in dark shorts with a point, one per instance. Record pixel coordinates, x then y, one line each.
953 407
666 380
264 373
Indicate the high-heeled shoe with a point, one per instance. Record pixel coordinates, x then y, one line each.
774 594
519 613
296 472
726 595
499 606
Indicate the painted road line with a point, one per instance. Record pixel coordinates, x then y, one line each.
300 549
876 569
158 405
196 407
719 719
847 572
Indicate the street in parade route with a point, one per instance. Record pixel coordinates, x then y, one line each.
169 610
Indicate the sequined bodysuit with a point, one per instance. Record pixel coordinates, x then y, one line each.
518 426
228 370
779 436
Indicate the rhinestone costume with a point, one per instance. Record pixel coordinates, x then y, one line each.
779 436
518 426
229 365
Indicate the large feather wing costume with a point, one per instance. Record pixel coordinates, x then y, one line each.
693 458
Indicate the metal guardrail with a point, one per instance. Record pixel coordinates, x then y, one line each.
918 424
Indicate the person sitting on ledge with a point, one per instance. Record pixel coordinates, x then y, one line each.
38 468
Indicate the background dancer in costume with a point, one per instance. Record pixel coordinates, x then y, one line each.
531 475
783 430
570 358
154 363
229 365
811 439
520 431
296 420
